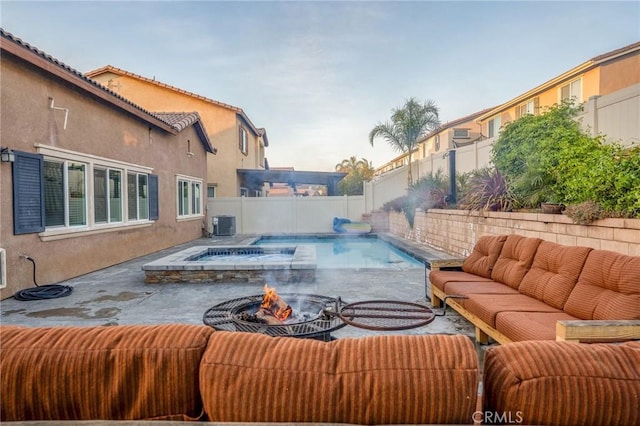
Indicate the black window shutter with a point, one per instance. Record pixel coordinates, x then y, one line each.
154 204
28 193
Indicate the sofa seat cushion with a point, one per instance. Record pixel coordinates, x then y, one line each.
608 288
475 287
484 255
563 383
554 272
515 260
520 326
372 380
94 373
440 278
487 306
478 287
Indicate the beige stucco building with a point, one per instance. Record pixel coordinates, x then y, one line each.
614 75
599 76
239 143
88 179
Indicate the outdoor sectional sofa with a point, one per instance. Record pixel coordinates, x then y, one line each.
182 373
515 288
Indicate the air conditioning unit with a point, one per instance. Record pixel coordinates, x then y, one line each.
461 133
3 268
224 225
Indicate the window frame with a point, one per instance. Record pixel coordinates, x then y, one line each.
243 143
527 108
193 204
570 85
92 162
493 130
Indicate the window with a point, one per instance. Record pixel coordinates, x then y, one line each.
436 143
107 195
243 143
530 107
211 191
189 197
65 193
461 133
58 191
494 126
137 196
572 91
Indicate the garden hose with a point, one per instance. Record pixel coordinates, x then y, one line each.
49 291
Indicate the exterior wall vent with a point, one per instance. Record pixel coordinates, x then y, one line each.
3 268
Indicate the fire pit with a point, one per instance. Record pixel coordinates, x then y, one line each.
312 316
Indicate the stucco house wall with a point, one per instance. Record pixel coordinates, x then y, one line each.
98 132
221 120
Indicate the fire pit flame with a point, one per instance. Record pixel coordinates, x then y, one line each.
273 305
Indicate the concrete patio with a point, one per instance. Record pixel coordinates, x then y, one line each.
118 295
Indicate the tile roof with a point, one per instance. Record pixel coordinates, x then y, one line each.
116 99
237 110
182 120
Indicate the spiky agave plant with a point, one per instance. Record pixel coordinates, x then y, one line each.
487 189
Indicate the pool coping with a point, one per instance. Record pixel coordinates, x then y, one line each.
304 258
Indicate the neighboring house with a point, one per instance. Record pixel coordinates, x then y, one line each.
451 135
93 179
240 144
615 72
608 86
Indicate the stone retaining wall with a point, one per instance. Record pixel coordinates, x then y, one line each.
456 231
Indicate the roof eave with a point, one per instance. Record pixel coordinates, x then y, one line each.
573 72
96 90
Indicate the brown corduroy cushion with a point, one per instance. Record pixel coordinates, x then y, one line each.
381 379
608 288
563 383
485 287
441 278
101 373
554 273
520 326
515 260
484 255
487 306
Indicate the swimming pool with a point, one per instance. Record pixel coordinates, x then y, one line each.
349 252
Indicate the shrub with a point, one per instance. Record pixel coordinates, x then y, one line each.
487 189
585 213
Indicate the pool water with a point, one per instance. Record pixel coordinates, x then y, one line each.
347 252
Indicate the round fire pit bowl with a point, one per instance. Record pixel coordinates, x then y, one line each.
312 319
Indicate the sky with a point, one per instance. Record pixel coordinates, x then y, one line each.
318 76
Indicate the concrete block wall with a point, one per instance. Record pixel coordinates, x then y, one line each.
456 231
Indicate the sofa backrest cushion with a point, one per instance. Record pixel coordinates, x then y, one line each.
101 373
561 383
515 260
484 255
371 380
608 288
554 272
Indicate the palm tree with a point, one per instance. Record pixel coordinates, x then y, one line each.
357 171
408 125
351 164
